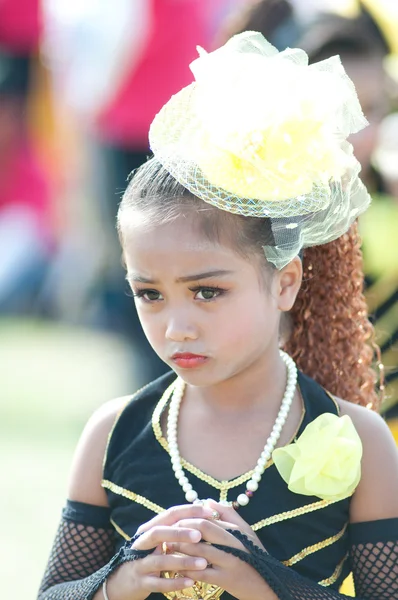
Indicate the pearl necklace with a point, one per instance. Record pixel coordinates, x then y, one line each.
252 485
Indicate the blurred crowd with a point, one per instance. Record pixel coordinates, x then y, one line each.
79 85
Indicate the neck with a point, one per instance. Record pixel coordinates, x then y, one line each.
261 384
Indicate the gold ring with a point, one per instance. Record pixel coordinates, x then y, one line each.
164 548
215 515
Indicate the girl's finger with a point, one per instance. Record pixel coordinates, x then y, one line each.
227 513
172 562
214 557
164 586
176 513
157 535
213 532
223 524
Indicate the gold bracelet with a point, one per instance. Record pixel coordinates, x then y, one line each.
104 590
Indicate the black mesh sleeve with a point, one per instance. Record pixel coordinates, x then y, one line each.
82 556
374 554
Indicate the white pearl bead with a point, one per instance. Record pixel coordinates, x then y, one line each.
183 480
191 496
179 472
186 487
256 477
252 486
242 499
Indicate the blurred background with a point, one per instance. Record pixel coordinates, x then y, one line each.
80 82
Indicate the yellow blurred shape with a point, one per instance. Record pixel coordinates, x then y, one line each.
348 587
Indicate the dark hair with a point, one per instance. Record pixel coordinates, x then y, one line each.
330 329
273 18
331 34
326 35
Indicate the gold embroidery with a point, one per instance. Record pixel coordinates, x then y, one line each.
334 400
222 486
291 514
120 531
223 495
314 548
336 574
116 489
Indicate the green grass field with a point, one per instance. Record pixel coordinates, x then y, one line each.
51 379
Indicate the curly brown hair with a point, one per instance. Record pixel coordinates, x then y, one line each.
331 336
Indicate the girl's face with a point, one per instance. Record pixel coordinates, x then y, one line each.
206 311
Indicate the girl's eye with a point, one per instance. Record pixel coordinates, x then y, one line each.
148 295
207 293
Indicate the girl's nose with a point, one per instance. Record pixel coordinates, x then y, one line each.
180 329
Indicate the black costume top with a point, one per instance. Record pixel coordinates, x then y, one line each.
305 533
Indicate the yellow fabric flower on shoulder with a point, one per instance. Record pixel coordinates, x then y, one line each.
325 461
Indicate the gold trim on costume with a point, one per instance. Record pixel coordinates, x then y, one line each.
314 548
335 575
334 400
291 514
223 495
221 486
120 531
116 489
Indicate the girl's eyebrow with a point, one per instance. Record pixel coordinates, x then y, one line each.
195 277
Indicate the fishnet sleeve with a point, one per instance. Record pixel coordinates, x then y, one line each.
81 554
374 555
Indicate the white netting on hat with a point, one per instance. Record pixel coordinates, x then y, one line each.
260 133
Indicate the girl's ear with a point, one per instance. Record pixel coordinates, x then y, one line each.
289 282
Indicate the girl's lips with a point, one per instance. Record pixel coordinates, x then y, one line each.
186 360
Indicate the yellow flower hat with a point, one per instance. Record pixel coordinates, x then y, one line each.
325 461
261 133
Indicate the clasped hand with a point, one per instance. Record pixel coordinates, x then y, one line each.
189 532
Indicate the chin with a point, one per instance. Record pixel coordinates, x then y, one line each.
204 379
198 377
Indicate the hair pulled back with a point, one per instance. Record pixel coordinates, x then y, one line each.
330 337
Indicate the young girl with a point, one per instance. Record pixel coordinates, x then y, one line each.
235 475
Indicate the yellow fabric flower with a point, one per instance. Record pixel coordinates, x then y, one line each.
261 133
268 128
325 461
